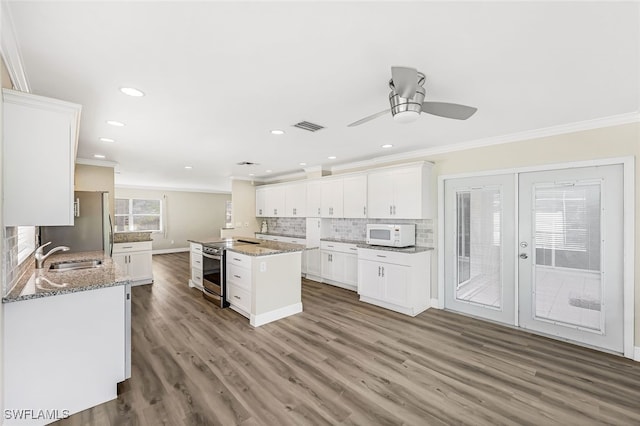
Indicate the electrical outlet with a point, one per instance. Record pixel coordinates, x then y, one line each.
263 266
246 224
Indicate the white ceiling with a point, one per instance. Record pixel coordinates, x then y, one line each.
218 76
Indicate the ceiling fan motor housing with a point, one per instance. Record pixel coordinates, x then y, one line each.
405 110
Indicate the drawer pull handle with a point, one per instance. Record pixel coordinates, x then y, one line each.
351 248
329 246
197 261
237 276
125 247
239 260
237 297
379 255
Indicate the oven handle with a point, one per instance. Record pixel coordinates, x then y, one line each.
212 256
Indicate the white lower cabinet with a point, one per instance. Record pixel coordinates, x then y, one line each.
394 280
239 283
290 240
196 262
135 261
339 264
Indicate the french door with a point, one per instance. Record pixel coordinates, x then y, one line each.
480 242
560 251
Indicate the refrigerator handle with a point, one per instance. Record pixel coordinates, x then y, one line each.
76 208
110 237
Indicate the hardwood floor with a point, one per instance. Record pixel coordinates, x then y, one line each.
345 362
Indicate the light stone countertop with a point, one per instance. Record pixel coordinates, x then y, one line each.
262 248
131 237
275 234
44 283
342 240
409 250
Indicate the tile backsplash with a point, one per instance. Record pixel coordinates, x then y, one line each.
349 229
356 229
12 271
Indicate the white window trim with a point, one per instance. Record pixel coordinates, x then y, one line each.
131 215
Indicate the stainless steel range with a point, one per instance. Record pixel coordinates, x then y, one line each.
214 277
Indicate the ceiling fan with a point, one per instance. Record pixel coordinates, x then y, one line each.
407 96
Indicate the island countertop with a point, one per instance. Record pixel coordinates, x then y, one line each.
254 246
44 283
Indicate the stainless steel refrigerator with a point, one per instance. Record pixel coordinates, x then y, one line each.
92 229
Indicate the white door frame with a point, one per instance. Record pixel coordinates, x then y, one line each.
628 166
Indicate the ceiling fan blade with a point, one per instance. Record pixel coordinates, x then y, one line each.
447 110
405 81
369 118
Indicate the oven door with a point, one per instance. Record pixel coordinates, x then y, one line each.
213 278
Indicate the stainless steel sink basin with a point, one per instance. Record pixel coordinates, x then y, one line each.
72 265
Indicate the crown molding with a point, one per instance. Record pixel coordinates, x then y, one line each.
167 188
615 120
285 177
100 163
247 178
11 51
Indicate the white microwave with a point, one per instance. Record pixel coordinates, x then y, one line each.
380 234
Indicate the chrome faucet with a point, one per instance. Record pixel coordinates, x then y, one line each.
41 257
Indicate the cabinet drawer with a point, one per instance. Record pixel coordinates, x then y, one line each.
196 261
195 248
238 259
239 276
387 256
196 276
340 247
129 247
239 297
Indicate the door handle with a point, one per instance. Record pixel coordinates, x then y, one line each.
524 256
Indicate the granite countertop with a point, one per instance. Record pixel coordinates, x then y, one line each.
261 248
131 237
275 234
408 250
43 283
342 240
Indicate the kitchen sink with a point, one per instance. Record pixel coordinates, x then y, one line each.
73 264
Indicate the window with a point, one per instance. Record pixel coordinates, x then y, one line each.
228 221
26 242
138 215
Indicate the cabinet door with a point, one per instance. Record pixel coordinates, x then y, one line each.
350 269
275 204
380 195
331 198
296 200
326 265
314 194
121 261
407 193
338 262
38 160
369 279
261 206
355 196
396 284
313 262
140 267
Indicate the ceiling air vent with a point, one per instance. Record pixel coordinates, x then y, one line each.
305 125
247 163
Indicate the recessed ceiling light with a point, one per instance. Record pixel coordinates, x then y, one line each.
277 132
131 91
388 145
303 164
268 171
99 156
333 157
188 167
252 174
115 123
107 140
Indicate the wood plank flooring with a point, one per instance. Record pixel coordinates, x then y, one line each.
345 362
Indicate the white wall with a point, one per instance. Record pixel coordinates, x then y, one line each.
244 208
187 215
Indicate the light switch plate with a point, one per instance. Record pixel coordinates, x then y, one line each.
263 266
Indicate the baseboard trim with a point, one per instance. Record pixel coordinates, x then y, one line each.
435 303
267 317
636 354
412 312
341 285
172 250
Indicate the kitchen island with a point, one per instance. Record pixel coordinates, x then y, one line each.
263 278
65 338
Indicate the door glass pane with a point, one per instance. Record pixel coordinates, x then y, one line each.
567 280
479 246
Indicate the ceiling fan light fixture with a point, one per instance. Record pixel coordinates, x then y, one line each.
406 116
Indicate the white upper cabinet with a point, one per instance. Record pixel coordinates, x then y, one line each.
355 196
40 140
275 201
261 201
296 199
331 198
314 195
402 192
